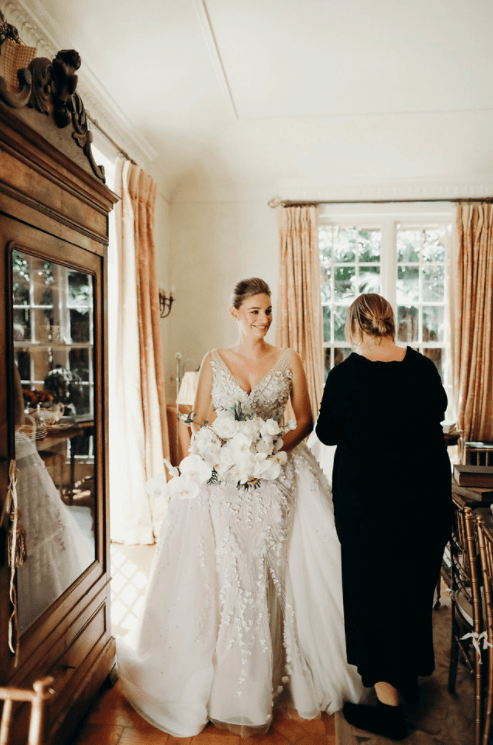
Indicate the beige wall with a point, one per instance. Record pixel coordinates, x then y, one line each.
162 242
214 245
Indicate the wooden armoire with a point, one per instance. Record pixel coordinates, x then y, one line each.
54 208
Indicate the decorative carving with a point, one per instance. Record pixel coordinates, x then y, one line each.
7 31
50 87
40 98
19 98
64 83
94 94
83 135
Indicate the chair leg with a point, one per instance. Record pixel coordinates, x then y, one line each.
489 699
454 659
478 666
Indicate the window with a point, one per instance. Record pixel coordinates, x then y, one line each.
400 251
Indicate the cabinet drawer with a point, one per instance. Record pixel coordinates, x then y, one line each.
72 665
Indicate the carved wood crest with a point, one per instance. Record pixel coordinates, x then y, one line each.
50 88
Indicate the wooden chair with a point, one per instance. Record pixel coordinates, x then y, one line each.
476 453
466 602
38 698
485 541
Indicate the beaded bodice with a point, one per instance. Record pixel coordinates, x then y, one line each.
269 397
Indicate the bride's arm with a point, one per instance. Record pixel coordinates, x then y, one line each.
203 395
300 402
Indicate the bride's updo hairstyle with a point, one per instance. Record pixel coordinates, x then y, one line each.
247 288
370 314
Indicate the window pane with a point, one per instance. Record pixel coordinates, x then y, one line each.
369 279
326 322
22 324
340 354
79 326
345 244
436 356
79 363
42 363
433 323
83 404
407 285
41 324
20 292
408 242
433 283
327 362
23 361
369 242
325 289
80 289
340 314
325 243
344 283
434 244
407 320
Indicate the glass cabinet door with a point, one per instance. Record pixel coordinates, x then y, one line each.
53 410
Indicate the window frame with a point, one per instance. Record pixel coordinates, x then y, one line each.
387 216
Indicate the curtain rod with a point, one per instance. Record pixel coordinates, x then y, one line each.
282 203
110 139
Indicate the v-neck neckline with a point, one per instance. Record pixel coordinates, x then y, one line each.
260 381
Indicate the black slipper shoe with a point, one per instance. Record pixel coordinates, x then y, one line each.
381 719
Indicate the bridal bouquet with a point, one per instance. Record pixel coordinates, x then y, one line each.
235 447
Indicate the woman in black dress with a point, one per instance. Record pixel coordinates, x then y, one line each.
382 407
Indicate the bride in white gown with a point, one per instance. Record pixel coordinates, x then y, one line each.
244 605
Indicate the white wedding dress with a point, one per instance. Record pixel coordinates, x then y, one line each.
244 605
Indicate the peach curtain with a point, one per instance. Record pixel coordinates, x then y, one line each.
138 439
472 310
299 313
143 191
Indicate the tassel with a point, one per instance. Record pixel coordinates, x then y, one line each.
16 545
17 554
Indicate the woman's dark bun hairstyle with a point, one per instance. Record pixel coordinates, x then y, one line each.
247 288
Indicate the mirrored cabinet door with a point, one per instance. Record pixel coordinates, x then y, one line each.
54 427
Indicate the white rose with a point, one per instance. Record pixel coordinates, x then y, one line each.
225 426
270 427
291 424
250 428
183 488
194 467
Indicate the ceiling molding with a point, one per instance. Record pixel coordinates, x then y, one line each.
357 192
210 39
441 190
37 28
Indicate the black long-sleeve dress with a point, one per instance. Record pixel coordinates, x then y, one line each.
392 502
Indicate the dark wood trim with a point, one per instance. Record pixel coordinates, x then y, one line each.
49 212
56 167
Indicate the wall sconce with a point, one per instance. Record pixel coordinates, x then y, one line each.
165 302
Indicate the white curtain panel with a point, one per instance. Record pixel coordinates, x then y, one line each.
131 512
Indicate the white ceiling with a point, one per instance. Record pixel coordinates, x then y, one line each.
293 91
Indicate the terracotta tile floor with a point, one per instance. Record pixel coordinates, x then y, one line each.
112 721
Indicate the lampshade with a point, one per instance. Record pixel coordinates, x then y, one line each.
186 394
